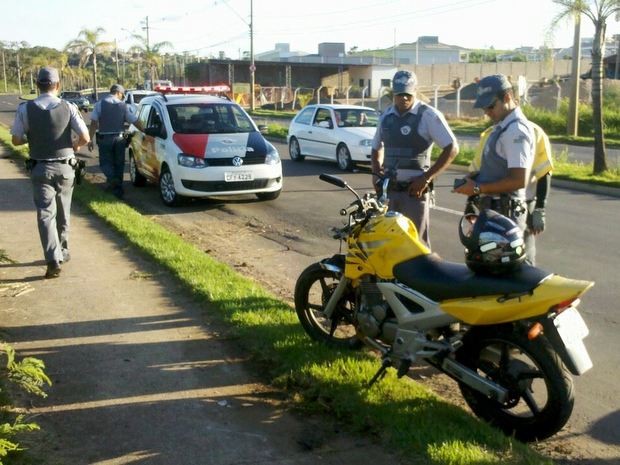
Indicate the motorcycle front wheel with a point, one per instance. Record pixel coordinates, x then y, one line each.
540 399
313 289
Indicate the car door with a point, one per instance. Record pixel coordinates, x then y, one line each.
321 135
301 128
156 136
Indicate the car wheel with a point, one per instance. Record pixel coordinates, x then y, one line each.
167 191
343 158
134 175
269 195
294 150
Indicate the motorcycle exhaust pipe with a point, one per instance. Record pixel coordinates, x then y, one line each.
465 375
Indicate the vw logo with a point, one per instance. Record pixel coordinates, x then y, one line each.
237 161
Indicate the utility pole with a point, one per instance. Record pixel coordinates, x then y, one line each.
252 66
617 70
573 110
6 87
19 73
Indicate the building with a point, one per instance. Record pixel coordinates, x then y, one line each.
427 50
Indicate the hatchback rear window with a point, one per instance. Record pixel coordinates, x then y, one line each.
208 118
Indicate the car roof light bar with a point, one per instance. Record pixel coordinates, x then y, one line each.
208 90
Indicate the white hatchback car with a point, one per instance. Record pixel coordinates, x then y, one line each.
201 146
342 133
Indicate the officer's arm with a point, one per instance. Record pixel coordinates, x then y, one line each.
448 154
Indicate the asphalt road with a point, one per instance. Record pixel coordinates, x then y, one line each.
581 242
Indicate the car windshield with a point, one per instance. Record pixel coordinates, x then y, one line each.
355 117
209 118
138 97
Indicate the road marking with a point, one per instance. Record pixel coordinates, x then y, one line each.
447 210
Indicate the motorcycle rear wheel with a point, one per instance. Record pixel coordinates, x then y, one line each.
313 289
540 387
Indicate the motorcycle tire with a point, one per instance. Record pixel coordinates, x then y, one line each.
313 289
540 399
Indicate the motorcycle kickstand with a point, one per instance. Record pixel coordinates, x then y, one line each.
381 372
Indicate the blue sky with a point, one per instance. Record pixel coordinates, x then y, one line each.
206 27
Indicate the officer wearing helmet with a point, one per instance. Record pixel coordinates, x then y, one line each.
108 119
46 125
507 156
401 149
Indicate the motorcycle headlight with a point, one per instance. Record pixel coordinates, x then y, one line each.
273 157
366 142
190 161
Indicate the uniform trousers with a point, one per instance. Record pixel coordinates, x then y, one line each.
416 209
112 160
52 191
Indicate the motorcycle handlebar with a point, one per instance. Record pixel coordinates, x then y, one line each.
350 209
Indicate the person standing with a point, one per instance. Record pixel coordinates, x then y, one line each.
107 122
507 156
45 124
401 149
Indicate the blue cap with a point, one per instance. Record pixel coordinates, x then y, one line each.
117 88
404 82
489 87
48 75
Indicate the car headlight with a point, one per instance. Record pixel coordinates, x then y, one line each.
273 157
190 161
366 142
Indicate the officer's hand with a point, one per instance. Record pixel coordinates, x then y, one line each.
90 146
538 220
418 186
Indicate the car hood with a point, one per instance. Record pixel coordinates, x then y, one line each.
361 133
221 145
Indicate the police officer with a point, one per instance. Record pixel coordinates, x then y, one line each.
508 153
401 148
109 117
45 124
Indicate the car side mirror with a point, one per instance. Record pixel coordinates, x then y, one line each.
263 129
325 124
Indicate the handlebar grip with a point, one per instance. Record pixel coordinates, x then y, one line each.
332 180
350 209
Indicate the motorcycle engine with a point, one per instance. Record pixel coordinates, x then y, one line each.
374 314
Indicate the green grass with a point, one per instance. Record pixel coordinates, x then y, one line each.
419 425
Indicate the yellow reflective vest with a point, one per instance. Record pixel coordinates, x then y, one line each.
543 162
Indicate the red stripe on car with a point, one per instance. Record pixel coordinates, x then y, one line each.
191 144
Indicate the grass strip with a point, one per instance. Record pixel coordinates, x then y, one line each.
409 418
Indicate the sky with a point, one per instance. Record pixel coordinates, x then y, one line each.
206 27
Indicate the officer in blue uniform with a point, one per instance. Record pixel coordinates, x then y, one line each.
45 124
401 148
108 119
507 156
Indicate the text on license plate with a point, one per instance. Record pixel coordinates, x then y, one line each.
240 176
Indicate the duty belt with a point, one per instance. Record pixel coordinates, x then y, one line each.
503 204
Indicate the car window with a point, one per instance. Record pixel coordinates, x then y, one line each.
138 97
155 119
209 118
322 115
144 114
351 117
305 116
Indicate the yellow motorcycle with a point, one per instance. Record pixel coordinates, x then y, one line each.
510 340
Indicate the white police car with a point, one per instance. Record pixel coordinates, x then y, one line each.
201 146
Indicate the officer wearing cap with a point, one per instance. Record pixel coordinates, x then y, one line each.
401 149
108 119
45 124
508 153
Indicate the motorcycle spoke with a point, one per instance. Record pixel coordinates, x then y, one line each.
534 374
325 287
530 401
505 357
317 307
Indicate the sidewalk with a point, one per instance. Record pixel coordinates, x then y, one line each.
138 375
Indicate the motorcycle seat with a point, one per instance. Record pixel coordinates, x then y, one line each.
439 279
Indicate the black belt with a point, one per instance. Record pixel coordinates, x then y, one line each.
116 134
64 160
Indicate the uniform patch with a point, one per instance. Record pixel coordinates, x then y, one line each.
520 139
405 130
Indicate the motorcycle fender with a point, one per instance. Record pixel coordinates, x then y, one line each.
335 264
566 333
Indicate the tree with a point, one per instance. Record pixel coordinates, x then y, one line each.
88 45
151 54
598 11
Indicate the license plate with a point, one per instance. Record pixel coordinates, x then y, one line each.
571 326
241 176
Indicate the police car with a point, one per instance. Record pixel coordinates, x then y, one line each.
198 145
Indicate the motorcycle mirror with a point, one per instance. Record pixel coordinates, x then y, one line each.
333 180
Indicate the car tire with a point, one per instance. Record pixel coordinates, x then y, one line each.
343 158
294 150
269 195
167 192
134 175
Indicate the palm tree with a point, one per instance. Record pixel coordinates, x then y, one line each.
151 54
598 11
88 45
